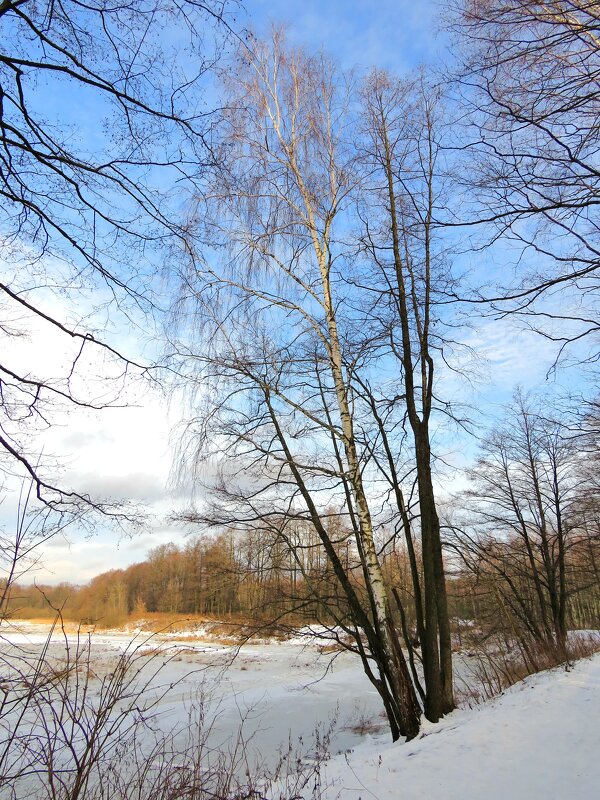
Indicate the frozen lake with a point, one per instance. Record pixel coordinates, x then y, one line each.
252 704
270 693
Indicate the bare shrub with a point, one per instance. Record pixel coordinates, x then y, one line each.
74 725
497 665
363 724
70 731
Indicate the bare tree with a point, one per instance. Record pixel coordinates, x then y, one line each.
404 129
300 331
531 78
525 531
283 335
99 115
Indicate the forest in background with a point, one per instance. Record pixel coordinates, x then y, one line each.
504 580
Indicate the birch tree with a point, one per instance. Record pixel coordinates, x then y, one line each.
297 323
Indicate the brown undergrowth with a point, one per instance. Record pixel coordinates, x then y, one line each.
495 665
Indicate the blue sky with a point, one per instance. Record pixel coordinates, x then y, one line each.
392 35
129 448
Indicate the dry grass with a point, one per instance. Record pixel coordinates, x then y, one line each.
363 725
495 668
68 626
189 627
233 630
335 646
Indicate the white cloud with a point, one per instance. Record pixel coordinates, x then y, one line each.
120 453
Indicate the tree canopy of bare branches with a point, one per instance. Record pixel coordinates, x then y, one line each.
527 537
316 333
100 111
531 81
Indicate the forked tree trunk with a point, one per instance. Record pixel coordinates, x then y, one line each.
394 685
437 643
438 640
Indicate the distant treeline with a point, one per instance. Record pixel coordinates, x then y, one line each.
283 574
251 574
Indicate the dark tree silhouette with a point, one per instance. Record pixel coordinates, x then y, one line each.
531 78
100 112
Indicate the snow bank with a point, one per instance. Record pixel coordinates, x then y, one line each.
539 740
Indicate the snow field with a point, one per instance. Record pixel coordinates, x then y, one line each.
540 739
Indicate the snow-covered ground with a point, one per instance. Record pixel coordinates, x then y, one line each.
539 740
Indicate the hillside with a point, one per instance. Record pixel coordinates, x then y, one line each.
538 740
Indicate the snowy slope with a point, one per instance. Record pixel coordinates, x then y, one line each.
539 741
